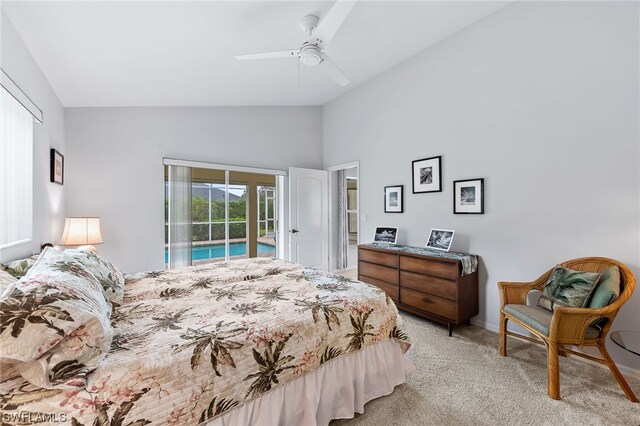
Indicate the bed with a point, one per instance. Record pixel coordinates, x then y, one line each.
251 341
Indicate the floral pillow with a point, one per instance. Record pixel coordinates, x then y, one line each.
567 287
108 275
18 268
54 323
6 279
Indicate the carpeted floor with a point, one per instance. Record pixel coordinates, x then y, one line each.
463 381
349 273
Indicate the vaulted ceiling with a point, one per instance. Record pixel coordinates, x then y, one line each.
176 53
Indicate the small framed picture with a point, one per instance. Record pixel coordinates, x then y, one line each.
386 234
57 167
427 175
393 199
468 196
440 239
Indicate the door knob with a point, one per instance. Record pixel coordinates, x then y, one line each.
294 231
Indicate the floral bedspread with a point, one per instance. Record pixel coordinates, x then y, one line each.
192 343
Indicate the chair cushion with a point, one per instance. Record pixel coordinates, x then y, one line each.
606 292
567 287
539 319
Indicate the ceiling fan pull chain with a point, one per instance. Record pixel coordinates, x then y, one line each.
298 76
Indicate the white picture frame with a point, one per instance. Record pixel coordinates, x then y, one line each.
440 239
386 235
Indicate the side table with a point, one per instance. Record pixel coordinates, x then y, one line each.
628 340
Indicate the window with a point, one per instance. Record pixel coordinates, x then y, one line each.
16 171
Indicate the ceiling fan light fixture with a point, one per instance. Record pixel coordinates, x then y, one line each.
311 55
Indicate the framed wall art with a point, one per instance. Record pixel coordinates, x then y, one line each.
427 175
57 167
468 196
393 199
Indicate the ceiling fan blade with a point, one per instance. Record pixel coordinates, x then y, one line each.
269 55
332 22
332 70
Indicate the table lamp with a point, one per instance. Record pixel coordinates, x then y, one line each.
82 232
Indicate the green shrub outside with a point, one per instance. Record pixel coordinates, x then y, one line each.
237 213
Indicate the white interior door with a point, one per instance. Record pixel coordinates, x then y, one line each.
309 217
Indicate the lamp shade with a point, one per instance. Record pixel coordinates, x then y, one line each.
80 231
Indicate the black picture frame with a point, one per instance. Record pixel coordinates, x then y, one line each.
467 207
55 177
399 200
418 177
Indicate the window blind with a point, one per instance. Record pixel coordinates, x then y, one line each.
16 171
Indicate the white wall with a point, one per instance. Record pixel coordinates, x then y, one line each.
114 162
540 99
48 198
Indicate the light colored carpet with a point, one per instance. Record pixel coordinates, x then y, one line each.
463 381
349 273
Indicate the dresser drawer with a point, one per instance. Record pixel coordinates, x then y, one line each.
372 256
429 303
383 273
434 268
391 289
428 284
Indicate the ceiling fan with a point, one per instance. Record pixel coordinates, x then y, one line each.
312 52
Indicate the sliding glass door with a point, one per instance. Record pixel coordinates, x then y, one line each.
233 215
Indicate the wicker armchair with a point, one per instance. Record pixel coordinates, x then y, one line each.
569 326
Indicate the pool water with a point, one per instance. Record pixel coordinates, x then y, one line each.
213 251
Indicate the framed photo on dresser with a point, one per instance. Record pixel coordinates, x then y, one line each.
386 235
440 239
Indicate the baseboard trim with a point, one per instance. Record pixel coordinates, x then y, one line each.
625 370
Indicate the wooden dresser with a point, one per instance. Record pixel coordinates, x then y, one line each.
421 282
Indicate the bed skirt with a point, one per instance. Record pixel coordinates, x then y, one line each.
336 390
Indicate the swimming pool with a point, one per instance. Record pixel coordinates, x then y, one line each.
213 251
